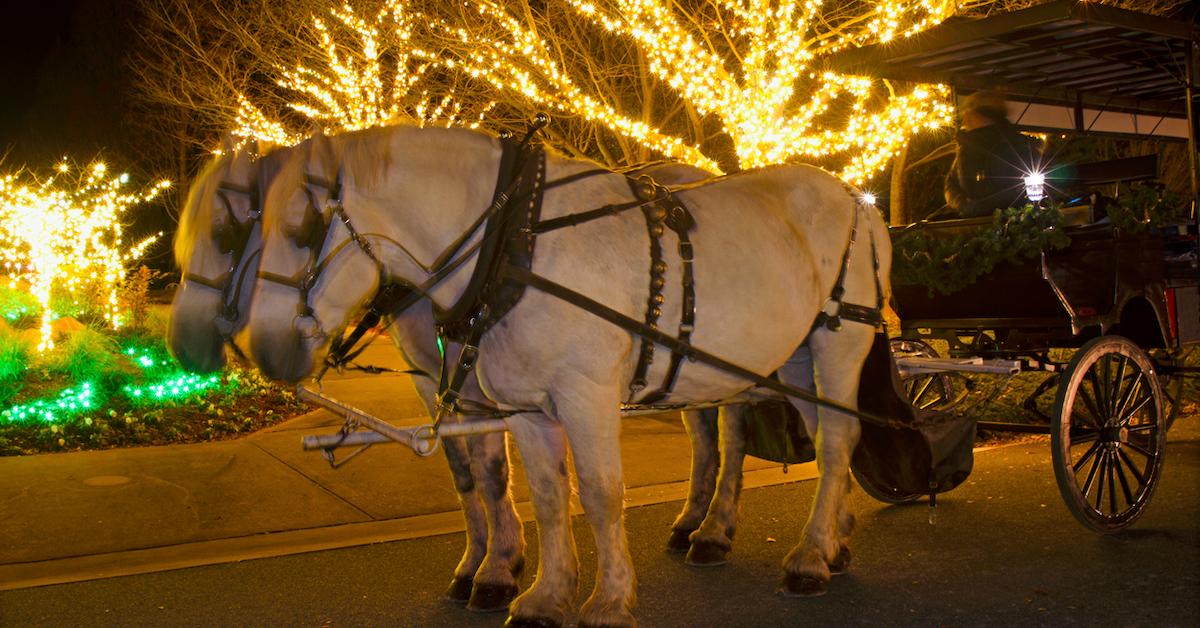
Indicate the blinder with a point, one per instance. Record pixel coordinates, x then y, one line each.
232 238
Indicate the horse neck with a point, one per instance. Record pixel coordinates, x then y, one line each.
412 331
430 193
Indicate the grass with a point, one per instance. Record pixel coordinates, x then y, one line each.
99 389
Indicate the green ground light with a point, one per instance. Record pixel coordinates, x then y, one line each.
162 381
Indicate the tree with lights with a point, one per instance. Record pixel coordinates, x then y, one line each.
723 85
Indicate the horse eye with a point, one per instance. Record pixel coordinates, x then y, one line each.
228 238
310 233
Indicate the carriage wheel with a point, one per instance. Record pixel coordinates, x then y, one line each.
928 391
1108 433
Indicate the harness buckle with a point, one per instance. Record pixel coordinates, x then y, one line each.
466 359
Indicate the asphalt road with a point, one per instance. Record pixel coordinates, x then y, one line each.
1004 551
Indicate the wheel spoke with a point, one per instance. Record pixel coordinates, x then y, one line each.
1097 396
1117 381
1112 484
1120 472
1086 456
1095 418
1087 484
1138 448
1103 475
1132 467
1105 383
1123 404
920 389
1081 435
1137 407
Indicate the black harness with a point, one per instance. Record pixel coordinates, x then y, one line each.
872 316
503 270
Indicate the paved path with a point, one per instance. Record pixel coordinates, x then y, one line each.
75 516
1004 552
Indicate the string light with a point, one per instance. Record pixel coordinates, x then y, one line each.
62 237
347 91
68 403
753 90
751 64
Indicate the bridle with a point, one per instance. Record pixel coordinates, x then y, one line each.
233 240
392 297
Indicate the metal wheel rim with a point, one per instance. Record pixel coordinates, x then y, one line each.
1108 433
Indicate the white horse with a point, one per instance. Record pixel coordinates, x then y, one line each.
217 246
769 245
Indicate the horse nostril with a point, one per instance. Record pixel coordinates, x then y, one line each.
224 326
308 327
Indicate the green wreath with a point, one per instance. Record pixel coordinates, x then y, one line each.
949 264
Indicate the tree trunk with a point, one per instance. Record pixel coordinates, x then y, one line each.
898 206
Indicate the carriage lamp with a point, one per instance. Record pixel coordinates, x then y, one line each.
1035 186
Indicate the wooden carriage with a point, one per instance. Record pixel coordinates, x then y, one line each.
1126 300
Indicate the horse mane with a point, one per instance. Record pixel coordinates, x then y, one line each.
368 153
189 223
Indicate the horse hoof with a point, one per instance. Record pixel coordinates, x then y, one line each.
679 541
841 563
530 622
459 590
707 554
489 598
802 586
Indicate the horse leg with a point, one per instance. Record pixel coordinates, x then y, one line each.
591 418
458 457
834 363
701 427
496 578
712 543
543 450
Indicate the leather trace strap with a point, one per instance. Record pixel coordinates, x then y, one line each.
662 209
686 349
850 311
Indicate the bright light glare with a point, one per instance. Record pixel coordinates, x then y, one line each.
1035 186
868 198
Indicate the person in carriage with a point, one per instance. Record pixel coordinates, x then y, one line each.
991 160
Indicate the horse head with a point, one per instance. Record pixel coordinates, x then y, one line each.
216 247
349 212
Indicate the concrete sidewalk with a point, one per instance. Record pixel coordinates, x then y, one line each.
77 516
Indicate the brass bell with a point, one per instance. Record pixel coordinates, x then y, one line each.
656 231
658 283
656 214
658 299
659 267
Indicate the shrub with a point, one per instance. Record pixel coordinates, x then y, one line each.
86 356
14 358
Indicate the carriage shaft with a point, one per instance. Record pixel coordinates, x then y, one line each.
418 438
920 366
